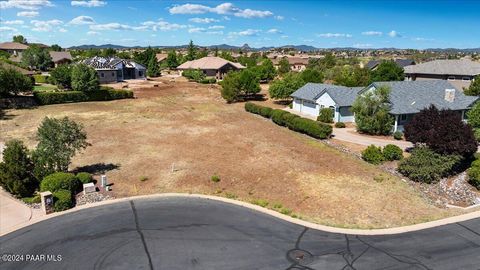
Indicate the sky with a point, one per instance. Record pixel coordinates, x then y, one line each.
324 24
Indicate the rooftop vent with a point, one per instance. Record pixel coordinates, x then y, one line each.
450 95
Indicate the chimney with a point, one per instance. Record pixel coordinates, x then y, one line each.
450 95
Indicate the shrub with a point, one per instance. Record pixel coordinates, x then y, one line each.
392 152
16 170
208 81
46 98
31 200
326 115
373 155
252 107
476 133
60 180
13 82
398 135
62 200
277 117
266 112
312 128
340 125
425 165
215 178
84 177
40 78
372 112
194 75
474 174
143 178
260 202
62 76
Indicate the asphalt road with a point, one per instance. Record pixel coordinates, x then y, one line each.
187 233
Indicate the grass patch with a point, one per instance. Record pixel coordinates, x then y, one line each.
260 202
143 178
45 88
230 195
215 178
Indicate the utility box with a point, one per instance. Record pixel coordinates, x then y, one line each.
47 202
103 180
88 188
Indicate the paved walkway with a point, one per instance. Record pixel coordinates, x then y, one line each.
14 213
194 233
350 135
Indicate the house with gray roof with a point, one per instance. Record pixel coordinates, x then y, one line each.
373 64
460 73
407 98
114 69
313 97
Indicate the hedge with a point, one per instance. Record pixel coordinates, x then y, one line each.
84 177
62 200
46 98
474 174
292 121
60 180
373 155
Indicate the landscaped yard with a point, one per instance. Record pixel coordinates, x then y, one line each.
175 137
44 88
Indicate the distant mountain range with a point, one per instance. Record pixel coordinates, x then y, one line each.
246 47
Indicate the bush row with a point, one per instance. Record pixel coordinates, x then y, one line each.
208 81
376 155
46 98
292 121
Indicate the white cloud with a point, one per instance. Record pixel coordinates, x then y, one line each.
162 25
196 30
372 33
248 32
110 26
82 20
362 45
45 26
93 33
25 4
28 14
7 29
394 33
249 13
274 31
280 18
335 35
88 3
284 36
222 9
422 39
203 20
14 22
216 27
62 30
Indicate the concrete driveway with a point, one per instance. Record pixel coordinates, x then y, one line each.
13 212
350 135
193 233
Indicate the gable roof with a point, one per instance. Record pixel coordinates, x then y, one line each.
57 56
408 97
98 62
400 62
446 67
161 56
209 62
342 95
13 46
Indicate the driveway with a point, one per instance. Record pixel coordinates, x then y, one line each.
193 233
13 212
350 135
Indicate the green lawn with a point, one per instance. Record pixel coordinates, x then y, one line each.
44 88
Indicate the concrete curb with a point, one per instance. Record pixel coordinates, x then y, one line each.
275 214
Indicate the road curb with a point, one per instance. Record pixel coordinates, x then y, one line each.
397 230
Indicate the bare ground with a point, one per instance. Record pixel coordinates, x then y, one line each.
175 136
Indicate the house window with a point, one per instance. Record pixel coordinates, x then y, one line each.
102 75
466 79
140 73
113 74
322 106
403 117
451 78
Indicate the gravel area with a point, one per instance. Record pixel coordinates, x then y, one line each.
93 197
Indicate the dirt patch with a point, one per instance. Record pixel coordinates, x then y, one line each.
175 137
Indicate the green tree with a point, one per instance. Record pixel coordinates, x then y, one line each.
19 39
473 116
231 87
283 66
13 82
215 52
265 72
144 57
56 48
372 112
58 142
153 69
37 58
311 76
283 88
16 170
172 61
352 76
201 54
249 83
109 52
227 56
239 85
388 71
474 88
191 52
124 55
84 78
62 76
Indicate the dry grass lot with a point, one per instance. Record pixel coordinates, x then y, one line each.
188 127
